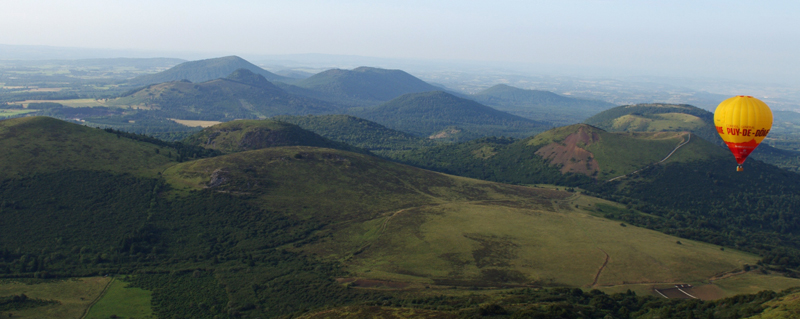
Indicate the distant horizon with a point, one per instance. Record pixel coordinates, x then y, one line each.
325 60
738 41
476 75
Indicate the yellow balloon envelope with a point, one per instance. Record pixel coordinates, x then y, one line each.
742 122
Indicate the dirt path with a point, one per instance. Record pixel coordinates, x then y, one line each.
100 296
386 222
689 138
597 276
725 275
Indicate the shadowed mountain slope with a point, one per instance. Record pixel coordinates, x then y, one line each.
242 94
245 135
540 105
362 86
204 70
425 114
358 132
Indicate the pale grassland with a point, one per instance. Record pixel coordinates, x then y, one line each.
13 112
658 122
753 282
193 123
74 296
747 283
563 247
86 103
67 103
122 301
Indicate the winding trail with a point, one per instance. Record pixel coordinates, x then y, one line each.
597 276
689 138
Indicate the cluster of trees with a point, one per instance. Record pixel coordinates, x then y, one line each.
498 159
21 302
430 112
358 132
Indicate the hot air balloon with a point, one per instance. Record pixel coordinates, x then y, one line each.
742 122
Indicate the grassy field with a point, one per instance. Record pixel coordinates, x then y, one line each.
621 153
485 243
67 103
74 295
657 122
122 301
13 112
194 123
402 228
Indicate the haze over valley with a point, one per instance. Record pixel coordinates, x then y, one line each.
395 160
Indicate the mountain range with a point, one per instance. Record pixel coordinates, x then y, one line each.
368 192
440 115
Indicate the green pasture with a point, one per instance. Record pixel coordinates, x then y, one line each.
66 103
123 302
621 153
753 282
13 112
657 122
478 243
74 295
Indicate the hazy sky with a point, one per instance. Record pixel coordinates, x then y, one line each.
738 39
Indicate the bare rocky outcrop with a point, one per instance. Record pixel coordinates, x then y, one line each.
219 177
570 154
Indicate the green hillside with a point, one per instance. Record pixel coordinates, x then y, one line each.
37 145
363 86
628 167
677 118
358 132
243 94
425 114
657 117
393 222
669 117
540 105
204 70
546 158
245 135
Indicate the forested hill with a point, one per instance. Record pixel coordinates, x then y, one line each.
37 145
245 135
540 105
362 86
568 155
241 95
204 70
358 132
424 114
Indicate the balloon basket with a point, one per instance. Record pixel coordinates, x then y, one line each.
739 168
